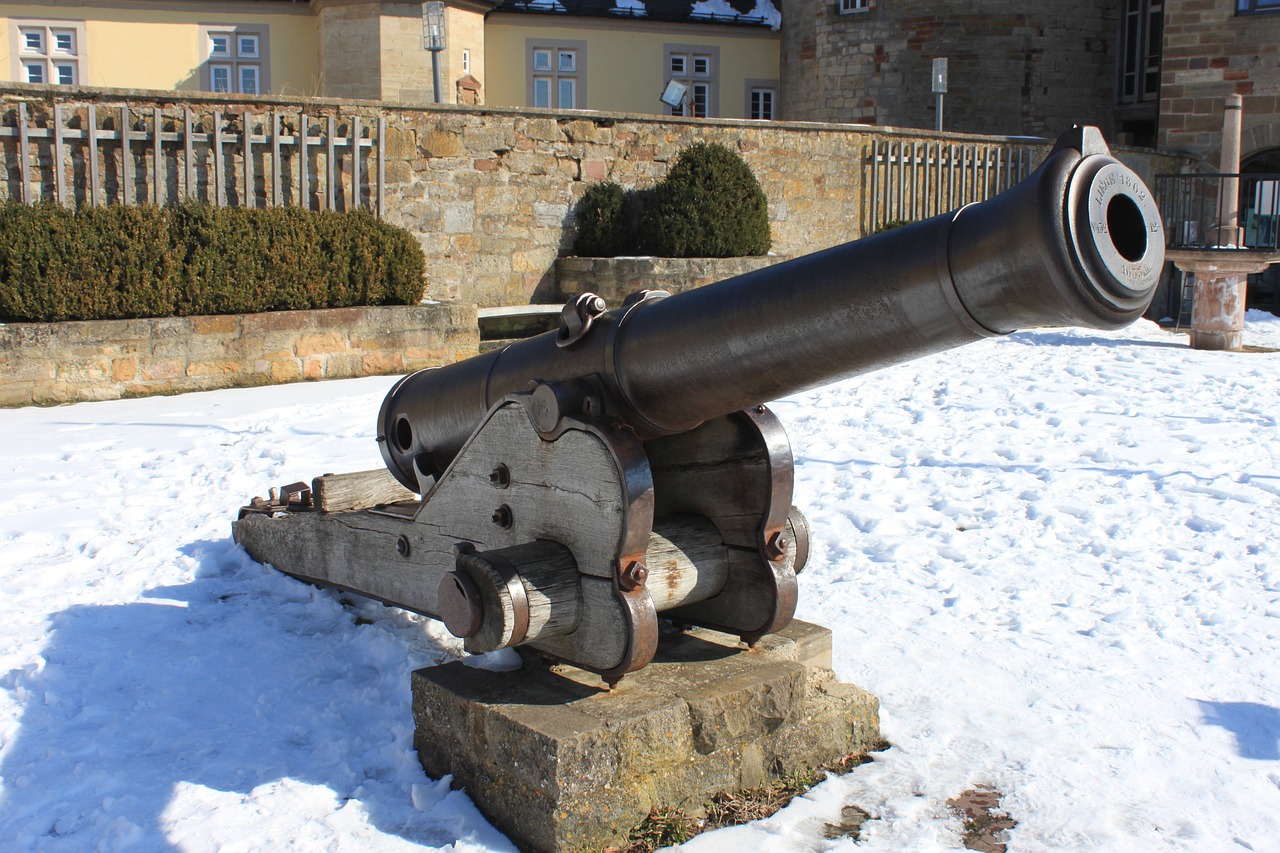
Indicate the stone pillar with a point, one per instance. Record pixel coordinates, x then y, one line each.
1229 233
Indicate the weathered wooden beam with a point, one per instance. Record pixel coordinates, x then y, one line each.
329 164
304 170
59 156
357 490
189 153
24 167
275 159
382 165
220 192
355 162
157 158
126 155
247 148
95 177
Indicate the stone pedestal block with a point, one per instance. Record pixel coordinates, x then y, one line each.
560 763
1217 311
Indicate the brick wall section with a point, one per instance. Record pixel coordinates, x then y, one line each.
45 363
1209 53
1014 67
616 278
489 192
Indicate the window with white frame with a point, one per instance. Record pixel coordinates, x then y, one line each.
760 102
48 51
557 75
849 7
235 59
698 68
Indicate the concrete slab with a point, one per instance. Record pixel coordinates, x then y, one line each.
560 763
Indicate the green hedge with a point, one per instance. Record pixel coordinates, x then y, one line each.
709 205
144 261
602 222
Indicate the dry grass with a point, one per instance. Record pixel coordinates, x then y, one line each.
985 823
665 827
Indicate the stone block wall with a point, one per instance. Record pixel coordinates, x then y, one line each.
491 194
46 363
616 278
1209 53
350 44
1014 67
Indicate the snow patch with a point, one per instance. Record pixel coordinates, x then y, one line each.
763 9
1053 556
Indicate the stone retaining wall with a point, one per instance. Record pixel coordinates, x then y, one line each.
616 278
47 363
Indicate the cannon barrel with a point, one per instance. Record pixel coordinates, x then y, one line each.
1078 243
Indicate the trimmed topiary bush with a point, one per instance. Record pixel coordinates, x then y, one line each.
602 222
143 261
709 205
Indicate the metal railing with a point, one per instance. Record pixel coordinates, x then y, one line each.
79 154
907 181
1197 208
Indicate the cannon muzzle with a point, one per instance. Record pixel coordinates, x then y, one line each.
1078 243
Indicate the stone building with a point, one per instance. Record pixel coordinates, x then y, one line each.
1212 49
1013 68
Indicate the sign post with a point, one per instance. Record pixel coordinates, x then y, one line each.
939 84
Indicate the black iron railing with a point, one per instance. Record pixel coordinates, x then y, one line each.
1197 210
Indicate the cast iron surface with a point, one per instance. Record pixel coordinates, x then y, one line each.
1080 242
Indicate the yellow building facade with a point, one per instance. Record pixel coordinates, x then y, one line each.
382 50
252 48
335 48
563 62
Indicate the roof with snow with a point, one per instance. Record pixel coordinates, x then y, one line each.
744 12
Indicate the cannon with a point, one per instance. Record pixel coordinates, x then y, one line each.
565 493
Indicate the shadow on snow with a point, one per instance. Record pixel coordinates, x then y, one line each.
1255 726
236 680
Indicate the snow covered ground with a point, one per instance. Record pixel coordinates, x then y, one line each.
1055 558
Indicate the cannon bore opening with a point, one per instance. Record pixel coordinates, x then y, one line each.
1127 227
403 435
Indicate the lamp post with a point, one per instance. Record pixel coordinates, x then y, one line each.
939 85
433 40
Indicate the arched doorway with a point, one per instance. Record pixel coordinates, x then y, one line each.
1260 204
